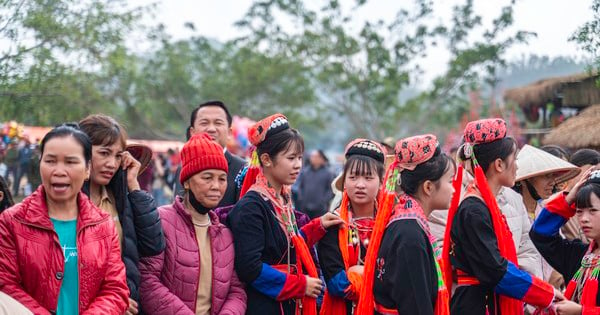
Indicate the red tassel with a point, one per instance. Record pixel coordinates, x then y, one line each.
249 180
446 265
590 291
503 236
570 290
366 300
304 259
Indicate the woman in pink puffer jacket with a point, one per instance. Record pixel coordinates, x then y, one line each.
195 274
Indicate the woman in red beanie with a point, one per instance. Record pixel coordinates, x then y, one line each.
195 274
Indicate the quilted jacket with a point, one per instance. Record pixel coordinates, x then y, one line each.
170 280
32 261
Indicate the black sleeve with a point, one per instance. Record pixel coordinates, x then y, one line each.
563 255
330 256
150 238
480 246
409 269
246 224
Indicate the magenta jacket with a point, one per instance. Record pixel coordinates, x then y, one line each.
170 280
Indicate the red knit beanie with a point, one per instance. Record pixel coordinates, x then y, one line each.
201 153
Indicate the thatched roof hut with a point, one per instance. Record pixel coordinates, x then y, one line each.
575 91
580 131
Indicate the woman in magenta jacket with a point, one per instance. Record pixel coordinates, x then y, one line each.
195 274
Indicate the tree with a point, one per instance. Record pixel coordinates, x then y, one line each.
361 76
48 72
588 37
474 66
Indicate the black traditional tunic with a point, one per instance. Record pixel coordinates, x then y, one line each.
260 245
405 275
474 252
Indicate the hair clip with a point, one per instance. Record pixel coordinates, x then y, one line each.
468 150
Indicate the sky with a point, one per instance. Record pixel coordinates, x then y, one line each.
553 21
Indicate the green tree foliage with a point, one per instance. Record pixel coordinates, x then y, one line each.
68 58
588 37
474 64
51 53
361 74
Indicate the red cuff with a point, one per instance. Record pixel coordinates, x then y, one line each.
293 288
590 310
540 293
559 206
313 231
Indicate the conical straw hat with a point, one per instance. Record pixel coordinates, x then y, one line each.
533 162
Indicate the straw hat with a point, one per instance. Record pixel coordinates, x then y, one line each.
141 153
533 162
339 181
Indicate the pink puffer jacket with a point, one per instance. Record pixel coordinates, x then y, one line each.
169 281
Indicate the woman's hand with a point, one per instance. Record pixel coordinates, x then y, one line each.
314 286
558 296
566 307
132 166
133 308
358 269
570 198
329 219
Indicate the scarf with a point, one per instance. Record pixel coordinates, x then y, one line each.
350 255
583 288
503 235
366 300
287 221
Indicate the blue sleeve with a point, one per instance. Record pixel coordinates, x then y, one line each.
270 281
515 282
338 284
548 223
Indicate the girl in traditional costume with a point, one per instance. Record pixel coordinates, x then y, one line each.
404 256
342 250
479 253
271 253
574 259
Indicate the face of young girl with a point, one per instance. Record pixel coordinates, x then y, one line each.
444 190
362 188
286 166
589 218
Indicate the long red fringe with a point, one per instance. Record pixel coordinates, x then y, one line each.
366 299
446 265
304 260
503 235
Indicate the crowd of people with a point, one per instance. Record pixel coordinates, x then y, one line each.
403 229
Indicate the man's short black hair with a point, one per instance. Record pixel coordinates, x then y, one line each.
211 103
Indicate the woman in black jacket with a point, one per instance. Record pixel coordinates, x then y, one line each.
114 188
